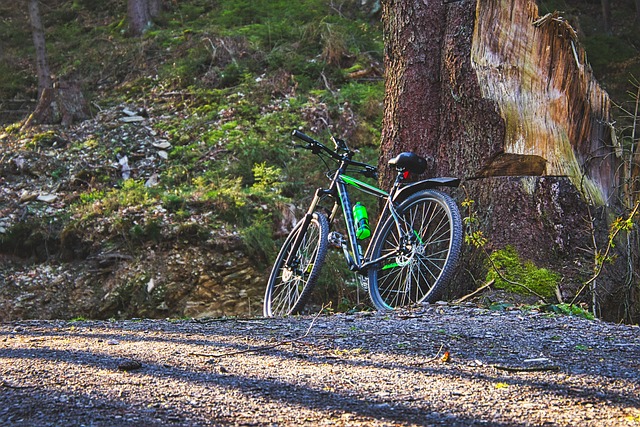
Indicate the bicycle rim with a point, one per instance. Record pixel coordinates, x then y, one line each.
424 253
289 287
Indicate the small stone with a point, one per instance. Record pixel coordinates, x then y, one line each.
47 198
27 197
152 181
131 119
162 144
129 365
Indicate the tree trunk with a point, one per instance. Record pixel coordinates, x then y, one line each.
503 98
637 11
45 110
606 15
37 30
60 102
140 14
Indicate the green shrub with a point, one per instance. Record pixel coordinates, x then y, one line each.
366 98
267 179
568 309
539 280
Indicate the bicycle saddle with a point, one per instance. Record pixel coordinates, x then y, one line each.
410 162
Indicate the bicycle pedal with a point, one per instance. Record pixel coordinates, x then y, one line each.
335 239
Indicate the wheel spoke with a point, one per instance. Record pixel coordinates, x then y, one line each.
289 286
431 233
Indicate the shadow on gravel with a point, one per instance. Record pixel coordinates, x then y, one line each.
48 399
36 400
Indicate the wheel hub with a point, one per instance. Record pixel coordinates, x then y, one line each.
403 260
408 253
287 274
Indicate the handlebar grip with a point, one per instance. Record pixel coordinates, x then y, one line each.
303 137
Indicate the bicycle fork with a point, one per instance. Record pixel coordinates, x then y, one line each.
306 220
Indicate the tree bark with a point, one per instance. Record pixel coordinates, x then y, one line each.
60 101
37 31
45 110
503 98
140 13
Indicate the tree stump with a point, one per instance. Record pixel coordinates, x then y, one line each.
63 103
504 99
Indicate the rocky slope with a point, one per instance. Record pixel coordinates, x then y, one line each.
56 259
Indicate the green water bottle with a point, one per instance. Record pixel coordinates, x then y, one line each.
362 221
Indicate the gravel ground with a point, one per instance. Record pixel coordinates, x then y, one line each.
509 368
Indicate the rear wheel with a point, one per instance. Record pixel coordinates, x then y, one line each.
289 287
421 251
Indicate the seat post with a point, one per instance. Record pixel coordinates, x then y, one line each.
396 182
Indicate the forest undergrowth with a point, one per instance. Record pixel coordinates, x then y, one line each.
188 144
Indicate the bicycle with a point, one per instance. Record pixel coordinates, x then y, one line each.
414 246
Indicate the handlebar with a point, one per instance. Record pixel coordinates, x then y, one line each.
305 138
316 147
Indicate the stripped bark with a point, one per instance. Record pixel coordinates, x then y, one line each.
505 99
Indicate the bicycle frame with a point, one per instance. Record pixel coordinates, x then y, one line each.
357 262
360 263
337 190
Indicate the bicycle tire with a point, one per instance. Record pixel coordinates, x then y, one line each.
423 268
288 289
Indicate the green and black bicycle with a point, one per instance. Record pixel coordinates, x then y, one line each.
414 246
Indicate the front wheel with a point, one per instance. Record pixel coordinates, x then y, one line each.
420 252
289 286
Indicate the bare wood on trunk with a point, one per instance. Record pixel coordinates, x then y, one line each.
552 106
504 98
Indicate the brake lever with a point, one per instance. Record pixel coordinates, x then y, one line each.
313 147
341 145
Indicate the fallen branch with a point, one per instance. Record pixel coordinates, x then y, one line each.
527 369
431 359
480 289
15 387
